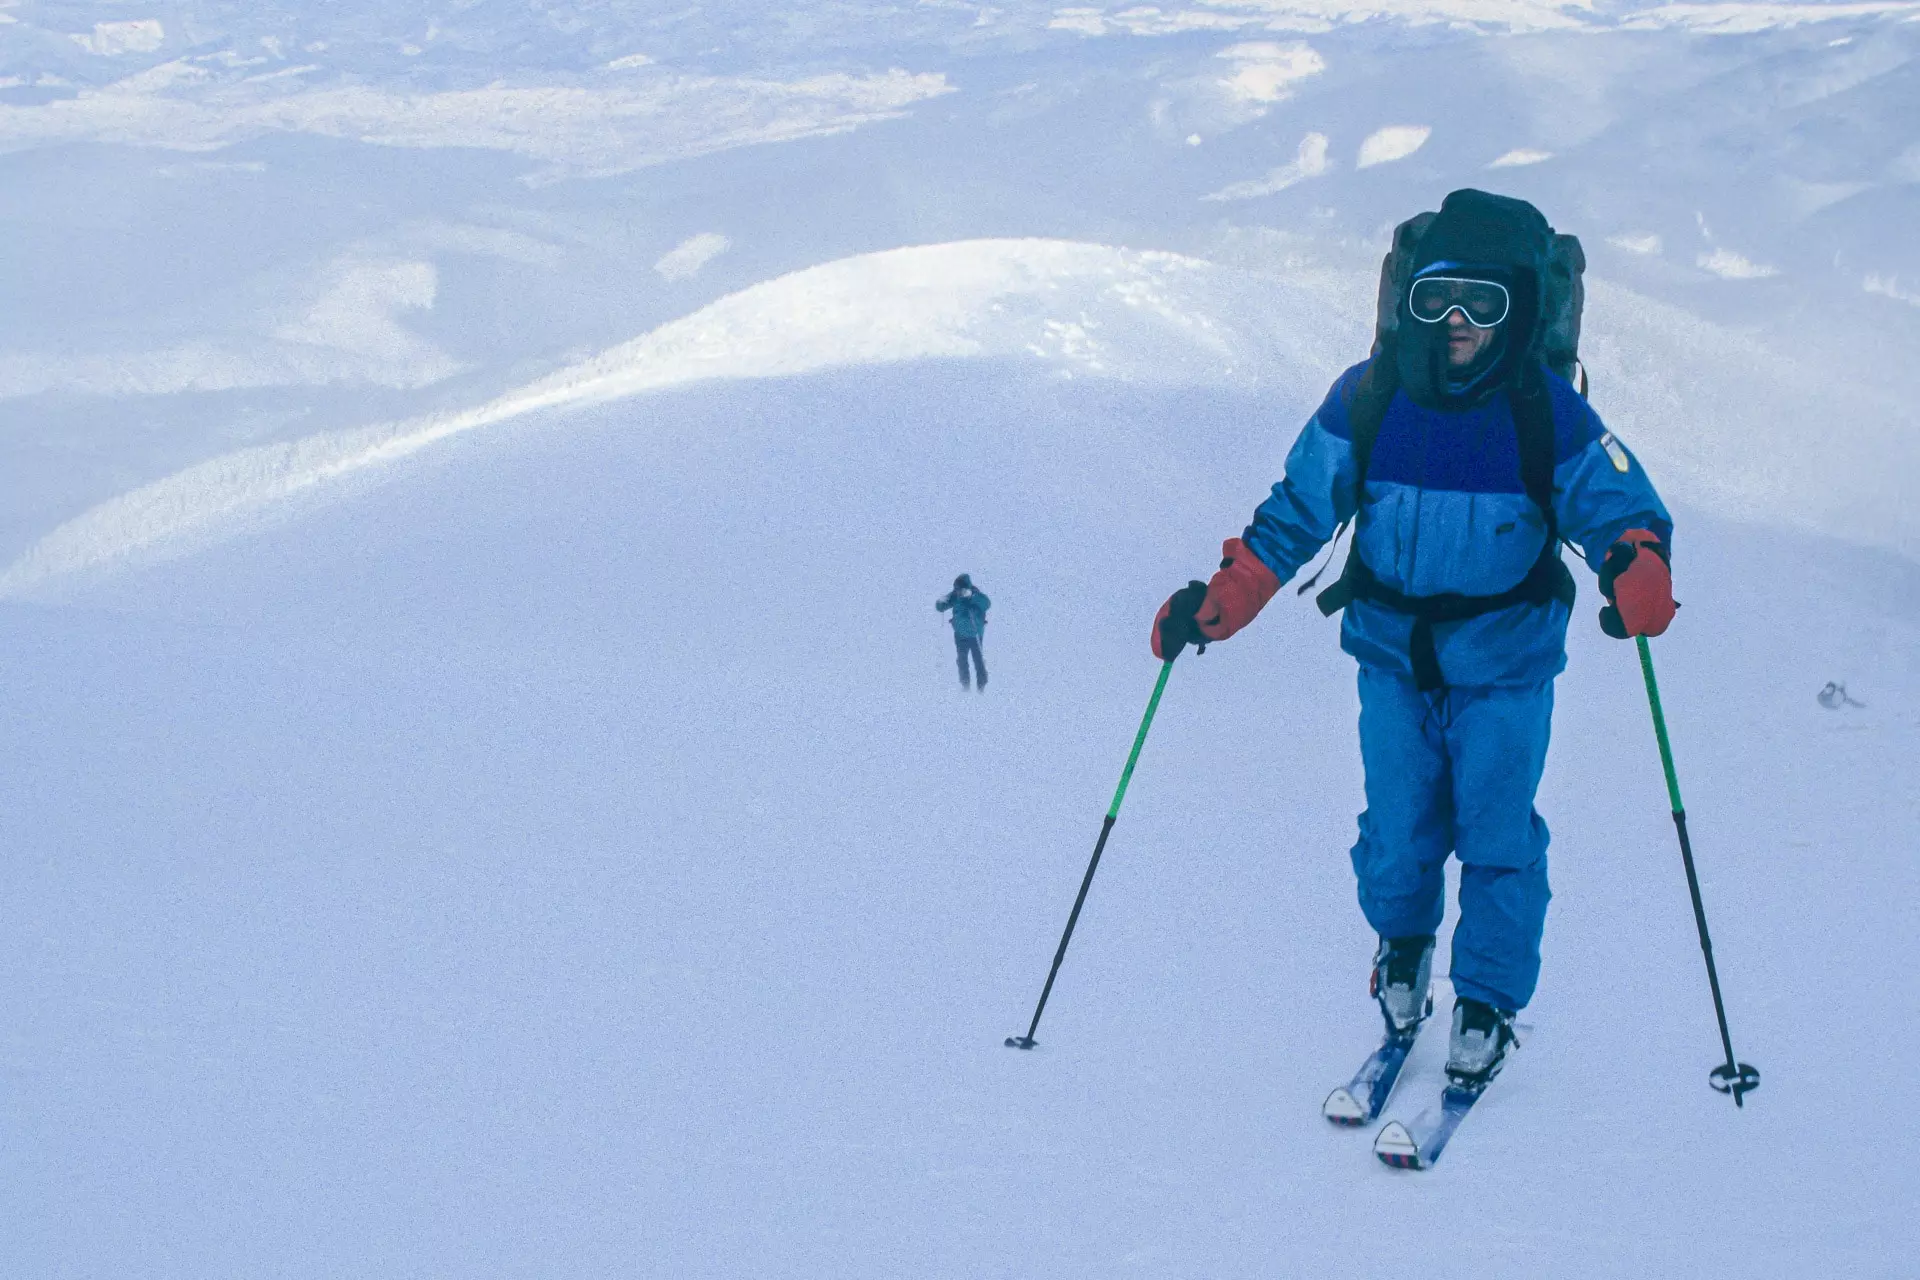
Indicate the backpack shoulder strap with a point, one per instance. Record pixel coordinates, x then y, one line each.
1375 392
1532 405
1368 409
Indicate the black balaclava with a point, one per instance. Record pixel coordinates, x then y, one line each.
962 581
1480 237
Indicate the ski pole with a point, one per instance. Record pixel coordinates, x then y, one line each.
1733 1077
1093 864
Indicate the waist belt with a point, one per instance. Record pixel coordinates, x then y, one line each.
1548 580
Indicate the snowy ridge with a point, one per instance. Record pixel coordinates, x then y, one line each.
1089 309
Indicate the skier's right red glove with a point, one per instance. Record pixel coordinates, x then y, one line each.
1193 615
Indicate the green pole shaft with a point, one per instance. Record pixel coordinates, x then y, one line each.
1140 739
1093 863
1659 724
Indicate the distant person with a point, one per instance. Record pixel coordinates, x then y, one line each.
1461 459
969 605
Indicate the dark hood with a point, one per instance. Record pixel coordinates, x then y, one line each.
1487 237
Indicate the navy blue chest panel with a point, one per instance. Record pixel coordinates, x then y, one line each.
1475 451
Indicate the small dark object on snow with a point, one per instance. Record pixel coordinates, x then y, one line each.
1834 697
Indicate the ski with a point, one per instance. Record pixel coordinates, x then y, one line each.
1417 1143
1361 1099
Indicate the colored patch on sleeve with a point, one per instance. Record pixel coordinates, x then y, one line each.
1616 454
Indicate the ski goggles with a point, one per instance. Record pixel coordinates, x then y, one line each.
1483 302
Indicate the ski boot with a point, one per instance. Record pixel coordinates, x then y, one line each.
1403 983
1482 1036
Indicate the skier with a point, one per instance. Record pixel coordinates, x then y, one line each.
969 605
1462 461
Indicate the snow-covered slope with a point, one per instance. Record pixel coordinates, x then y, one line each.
486 793
573 857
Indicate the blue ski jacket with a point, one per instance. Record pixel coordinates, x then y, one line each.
969 612
1445 511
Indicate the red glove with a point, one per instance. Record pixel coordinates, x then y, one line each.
1238 591
1639 585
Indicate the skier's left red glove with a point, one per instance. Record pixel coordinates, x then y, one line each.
1639 586
1237 593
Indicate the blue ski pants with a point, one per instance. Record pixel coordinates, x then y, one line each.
1454 771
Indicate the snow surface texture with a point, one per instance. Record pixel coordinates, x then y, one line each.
488 793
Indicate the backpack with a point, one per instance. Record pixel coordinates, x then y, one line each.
1563 297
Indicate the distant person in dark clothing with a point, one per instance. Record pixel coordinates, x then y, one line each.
969 605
